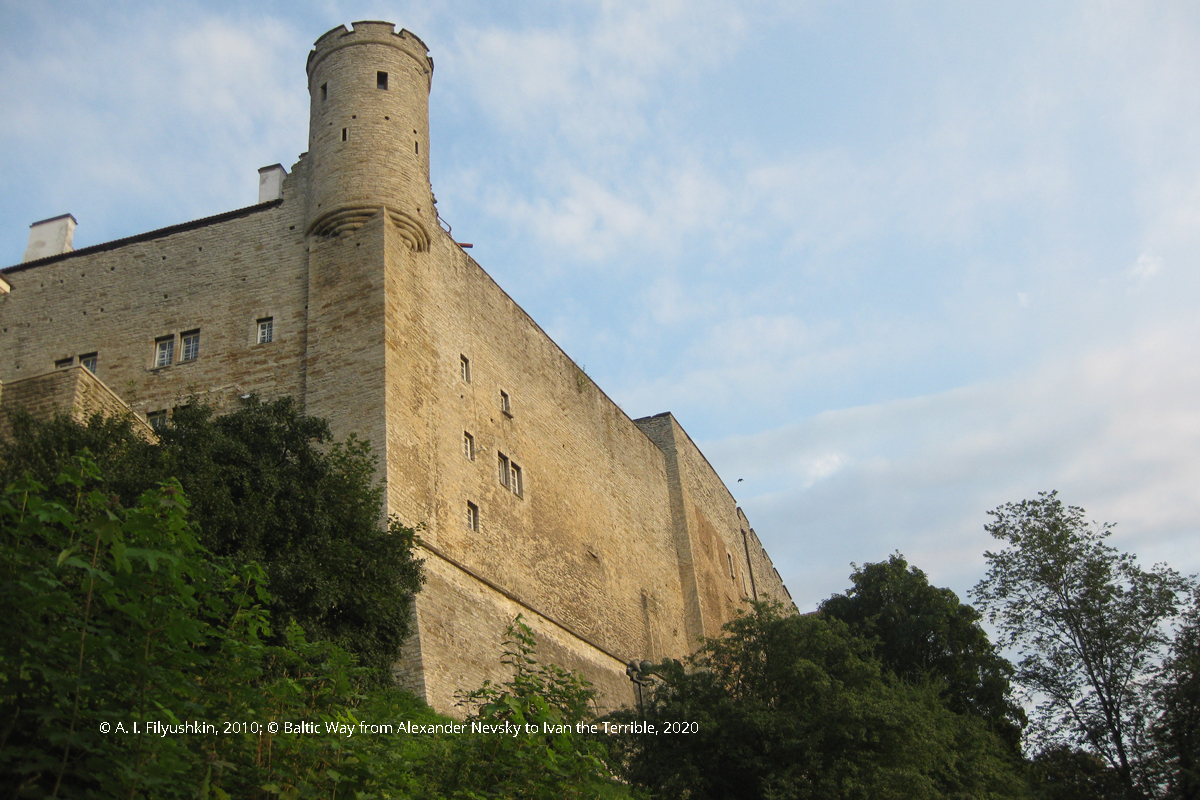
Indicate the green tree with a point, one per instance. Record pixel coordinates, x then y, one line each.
1065 773
268 486
924 634
797 707
1178 727
117 616
1091 626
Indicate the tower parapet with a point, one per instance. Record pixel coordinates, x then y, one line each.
369 132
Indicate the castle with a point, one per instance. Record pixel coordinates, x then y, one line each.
613 537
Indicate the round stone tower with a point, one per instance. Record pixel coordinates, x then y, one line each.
368 132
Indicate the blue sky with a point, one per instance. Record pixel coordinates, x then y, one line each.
892 264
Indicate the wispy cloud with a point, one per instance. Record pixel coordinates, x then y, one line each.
924 260
169 111
590 78
1115 430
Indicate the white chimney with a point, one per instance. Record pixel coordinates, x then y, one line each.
270 183
50 237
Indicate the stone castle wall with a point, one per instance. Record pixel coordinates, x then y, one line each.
115 300
587 541
619 542
74 391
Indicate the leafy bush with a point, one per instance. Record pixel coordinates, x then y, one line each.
119 617
268 485
555 762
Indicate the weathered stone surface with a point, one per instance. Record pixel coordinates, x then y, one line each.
622 543
72 390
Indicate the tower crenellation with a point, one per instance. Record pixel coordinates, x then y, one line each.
369 132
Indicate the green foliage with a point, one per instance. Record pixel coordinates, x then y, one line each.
118 616
924 634
555 762
108 612
44 448
1177 731
1064 773
268 486
797 707
566 695
1092 627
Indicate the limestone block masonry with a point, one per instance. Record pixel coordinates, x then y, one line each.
613 537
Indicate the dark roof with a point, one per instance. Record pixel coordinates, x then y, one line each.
145 237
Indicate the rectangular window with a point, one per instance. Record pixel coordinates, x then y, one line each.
157 420
266 330
505 404
89 360
164 351
515 482
468 446
505 473
324 91
731 575
472 516
464 368
63 363
345 134
381 80
191 346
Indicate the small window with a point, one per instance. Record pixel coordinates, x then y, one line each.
89 360
345 134
157 420
505 403
468 446
266 330
731 575
381 80
515 481
63 363
164 351
324 91
510 475
505 472
464 368
472 516
191 346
